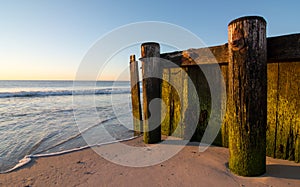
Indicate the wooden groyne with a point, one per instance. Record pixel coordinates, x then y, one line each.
262 81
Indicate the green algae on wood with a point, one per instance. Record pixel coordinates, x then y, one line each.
166 102
272 109
172 94
247 95
288 110
135 93
152 75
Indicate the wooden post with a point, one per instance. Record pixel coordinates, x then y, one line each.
135 96
152 74
247 95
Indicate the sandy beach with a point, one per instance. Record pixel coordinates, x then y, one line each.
188 168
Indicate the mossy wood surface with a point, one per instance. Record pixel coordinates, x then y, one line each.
135 99
247 96
152 74
283 108
282 111
283 130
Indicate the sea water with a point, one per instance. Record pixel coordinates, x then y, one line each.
38 117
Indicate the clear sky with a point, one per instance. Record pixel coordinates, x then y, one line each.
47 39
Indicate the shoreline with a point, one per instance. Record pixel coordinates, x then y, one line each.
188 167
27 158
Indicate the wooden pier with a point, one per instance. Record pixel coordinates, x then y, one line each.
262 83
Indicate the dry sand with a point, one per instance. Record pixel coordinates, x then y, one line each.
188 168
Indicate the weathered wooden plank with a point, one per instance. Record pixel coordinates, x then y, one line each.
203 97
210 55
288 111
191 110
280 49
176 81
171 93
247 95
167 101
272 109
190 57
224 128
135 96
178 99
175 97
284 48
211 112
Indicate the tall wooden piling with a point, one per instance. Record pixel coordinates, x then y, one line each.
135 96
152 74
247 95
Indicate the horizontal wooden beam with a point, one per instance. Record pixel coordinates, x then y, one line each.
280 49
284 48
210 55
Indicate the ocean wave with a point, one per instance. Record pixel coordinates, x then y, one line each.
64 92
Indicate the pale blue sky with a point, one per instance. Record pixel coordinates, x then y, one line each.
48 39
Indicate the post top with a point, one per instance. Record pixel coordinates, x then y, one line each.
150 43
150 49
247 18
132 58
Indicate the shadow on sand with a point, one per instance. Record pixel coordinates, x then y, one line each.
280 171
283 171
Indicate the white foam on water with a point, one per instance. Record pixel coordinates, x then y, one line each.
63 92
27 159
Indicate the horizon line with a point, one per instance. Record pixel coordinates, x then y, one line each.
59 80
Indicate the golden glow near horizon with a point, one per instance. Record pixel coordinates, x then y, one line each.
35 76
32 72
58 73
16 68
21 74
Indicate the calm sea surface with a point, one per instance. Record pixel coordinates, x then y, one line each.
41 117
